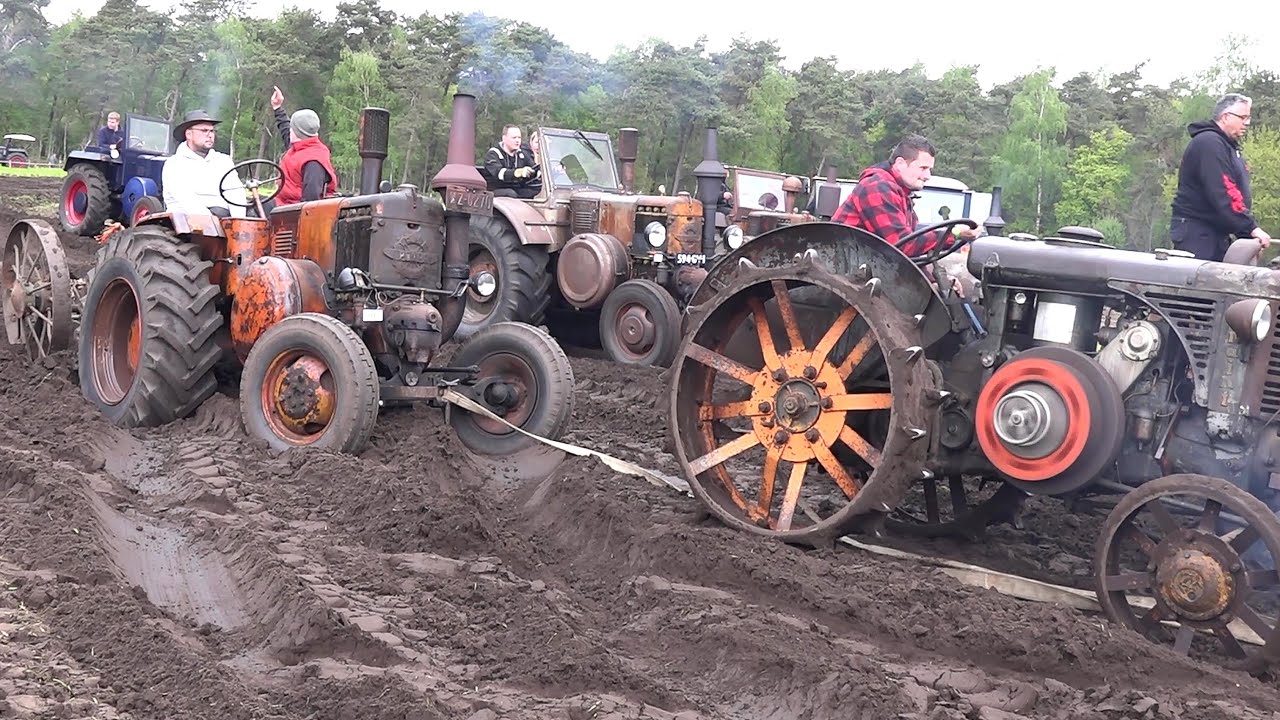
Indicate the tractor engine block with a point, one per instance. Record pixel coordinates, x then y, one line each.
413 326
397 239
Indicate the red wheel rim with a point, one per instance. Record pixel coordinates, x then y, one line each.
1067 385
77 188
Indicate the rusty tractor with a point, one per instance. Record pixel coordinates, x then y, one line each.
825 386
326 310
589 250
761 201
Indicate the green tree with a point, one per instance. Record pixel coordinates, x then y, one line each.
1032 153
357 83
1262 150
1096 179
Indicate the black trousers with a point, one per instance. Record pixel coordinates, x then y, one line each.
1198 238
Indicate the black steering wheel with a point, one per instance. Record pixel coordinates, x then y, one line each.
253 184
936 253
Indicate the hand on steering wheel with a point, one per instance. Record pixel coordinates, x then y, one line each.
253 184
940 250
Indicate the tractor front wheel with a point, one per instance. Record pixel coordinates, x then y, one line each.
640 324
523 288
310 381
148 332
525 379
86 200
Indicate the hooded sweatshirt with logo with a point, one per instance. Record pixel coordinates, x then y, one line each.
1213 182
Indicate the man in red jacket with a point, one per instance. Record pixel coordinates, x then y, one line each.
881 201
308 169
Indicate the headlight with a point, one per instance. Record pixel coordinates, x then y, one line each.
1250 319
733 236
485 283
656 233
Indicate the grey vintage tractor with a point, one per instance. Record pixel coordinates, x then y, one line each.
826 384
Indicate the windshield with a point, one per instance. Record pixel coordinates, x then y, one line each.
148 135
757 192
578 159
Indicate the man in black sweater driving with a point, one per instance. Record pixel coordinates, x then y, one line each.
1213 203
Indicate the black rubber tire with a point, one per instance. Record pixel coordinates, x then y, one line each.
348 360
552 379
98 203
151 203
17 155
524 278
180 320
663 311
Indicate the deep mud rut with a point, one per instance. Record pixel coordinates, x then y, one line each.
185 572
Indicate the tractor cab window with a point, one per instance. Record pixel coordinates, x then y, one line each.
573 159
758 192
146 135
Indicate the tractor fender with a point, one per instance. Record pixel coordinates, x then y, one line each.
269 290
843 250
530 225
136 188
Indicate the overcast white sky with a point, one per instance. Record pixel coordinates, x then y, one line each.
1001 36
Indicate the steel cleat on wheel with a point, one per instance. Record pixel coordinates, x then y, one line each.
35 290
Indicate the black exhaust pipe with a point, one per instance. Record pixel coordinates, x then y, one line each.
460 171
628 146
994 223
373 139
711 175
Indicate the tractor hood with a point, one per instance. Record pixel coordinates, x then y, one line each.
1069 265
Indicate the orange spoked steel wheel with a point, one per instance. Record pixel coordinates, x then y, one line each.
810 418
35 290
310 381
1050 420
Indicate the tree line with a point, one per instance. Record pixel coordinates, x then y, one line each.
1084 150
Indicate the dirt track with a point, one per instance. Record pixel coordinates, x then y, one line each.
186 573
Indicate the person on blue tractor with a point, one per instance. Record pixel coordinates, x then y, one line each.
307 163
192 174
109 135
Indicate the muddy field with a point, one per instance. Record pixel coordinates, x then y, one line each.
185 572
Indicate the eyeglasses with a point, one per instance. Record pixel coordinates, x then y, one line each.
207 131
1245 118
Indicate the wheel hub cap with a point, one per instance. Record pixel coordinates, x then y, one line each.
1023 418
1195 584
302 399
635 329
798 405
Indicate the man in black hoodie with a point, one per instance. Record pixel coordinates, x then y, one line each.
1212 205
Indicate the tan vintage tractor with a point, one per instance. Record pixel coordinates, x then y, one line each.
589 250
824 386
761 201
328 310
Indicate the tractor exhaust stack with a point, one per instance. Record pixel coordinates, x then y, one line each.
628 145
711 175
372 141
994 223
459 171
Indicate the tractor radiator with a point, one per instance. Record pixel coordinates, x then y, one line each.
351 235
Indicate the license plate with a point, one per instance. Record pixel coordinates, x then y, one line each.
690 259
467 200
373 315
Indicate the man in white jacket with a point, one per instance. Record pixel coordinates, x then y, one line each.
191 175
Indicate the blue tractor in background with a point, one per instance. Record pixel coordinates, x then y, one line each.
120 184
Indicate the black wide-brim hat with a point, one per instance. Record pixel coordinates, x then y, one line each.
191 118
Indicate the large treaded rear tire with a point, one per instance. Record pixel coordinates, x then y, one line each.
149 273
83 177
524 280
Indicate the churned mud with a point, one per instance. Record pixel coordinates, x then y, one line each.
186 572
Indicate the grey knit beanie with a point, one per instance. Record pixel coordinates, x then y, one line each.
305 123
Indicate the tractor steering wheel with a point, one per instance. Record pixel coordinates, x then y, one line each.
936 254
253 184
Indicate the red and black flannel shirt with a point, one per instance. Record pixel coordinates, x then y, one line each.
881 205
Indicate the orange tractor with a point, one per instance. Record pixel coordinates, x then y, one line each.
329 309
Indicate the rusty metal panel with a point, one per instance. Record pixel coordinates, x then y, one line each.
314 235
530 224
271 289
247 240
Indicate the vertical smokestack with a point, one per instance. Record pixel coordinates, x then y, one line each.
628 145
995 223
460 171
828 200
374 135
711 175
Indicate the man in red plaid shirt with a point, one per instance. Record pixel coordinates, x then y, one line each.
881 201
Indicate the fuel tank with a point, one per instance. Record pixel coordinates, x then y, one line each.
1076 266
